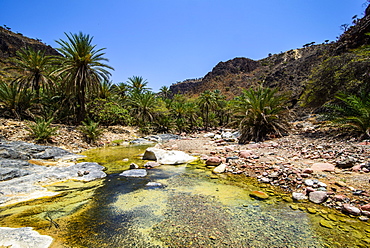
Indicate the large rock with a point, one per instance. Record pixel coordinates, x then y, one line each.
25 151
23 237
167 157
27 179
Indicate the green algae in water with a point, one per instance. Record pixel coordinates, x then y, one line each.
190 210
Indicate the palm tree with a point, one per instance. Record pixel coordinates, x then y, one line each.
82 69
164 92
34 67
106 88
137 84
264 113
353 111
120 89
15 99
207 102
143 105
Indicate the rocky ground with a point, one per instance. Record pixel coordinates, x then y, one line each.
314 162
311 163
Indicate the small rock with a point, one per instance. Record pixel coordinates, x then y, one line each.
134 166
311 210
318 197
363 218
134 173
326 223
308 182
245 153
365 207
323 167
213 161
347 208
298 196
259 194
154 185
307 171
219 169
151 164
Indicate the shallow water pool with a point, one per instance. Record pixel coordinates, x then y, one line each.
191 208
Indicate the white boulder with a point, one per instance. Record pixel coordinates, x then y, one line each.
167 157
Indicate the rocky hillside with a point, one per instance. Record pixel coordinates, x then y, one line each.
11 42
289 70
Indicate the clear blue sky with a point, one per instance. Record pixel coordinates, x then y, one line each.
166 41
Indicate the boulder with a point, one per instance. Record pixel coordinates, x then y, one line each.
167 157
134 173
23 237
318 197
213 161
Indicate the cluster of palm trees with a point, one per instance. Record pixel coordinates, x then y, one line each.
74 88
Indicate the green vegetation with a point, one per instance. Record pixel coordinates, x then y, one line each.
348 72
81 69
263 112
91 130
75 88
41 130
353 111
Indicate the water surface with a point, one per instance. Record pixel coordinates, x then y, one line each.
193 208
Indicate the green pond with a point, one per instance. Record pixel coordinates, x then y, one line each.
192 208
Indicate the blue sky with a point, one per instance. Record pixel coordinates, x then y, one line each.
166 41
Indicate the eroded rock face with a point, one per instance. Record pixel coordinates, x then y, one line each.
23 237
167 157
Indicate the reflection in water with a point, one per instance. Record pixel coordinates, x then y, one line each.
189 210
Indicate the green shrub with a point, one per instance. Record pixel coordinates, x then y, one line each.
263 112
91 131
108 113
352 110
41 130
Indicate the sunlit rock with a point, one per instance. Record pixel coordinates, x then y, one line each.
23 237
167 157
